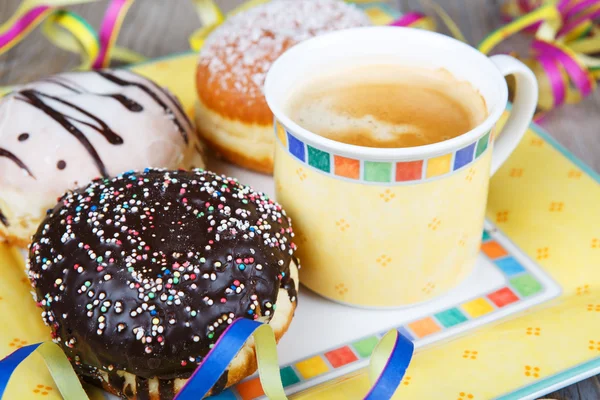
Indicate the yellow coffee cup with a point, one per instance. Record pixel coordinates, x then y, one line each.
380 227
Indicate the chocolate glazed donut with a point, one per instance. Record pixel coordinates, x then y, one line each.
142 273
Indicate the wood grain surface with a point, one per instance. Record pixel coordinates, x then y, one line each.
159 27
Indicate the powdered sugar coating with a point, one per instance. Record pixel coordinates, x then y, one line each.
239 53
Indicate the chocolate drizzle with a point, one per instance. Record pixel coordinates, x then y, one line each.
3 219
16 160
122 82
142 391
34 98
44 102
221 383
116 381
166 389
128 103
142 273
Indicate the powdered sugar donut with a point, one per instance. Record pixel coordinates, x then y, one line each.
63 131
232 113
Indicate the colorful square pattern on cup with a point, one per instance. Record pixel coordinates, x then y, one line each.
482 144
340 357
404 332
377 171
281 134
364 347
503 297
464 156
296 147
478 307
312 367
493 250
451 317
526 285
439 165
288 376
424 327
319 159
509 266
485 236
346 167
409 171
250 389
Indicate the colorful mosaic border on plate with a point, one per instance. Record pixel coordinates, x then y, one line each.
377 172
520 283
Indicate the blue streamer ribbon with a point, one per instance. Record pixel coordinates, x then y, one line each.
394 370
236 335
227 347
11 362
217 360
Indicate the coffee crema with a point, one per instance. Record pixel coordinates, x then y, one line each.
387 106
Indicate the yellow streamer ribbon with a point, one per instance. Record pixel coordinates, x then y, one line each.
70 32
28 5
62 372
446 19
211 16
548 12
381 354
268 363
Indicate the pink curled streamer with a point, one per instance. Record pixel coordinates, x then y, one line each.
577 74
407 19
570 25
580 7
106 30
554 77
21 25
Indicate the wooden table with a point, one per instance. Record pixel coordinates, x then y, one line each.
158 27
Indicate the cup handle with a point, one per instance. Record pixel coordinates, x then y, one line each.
524 106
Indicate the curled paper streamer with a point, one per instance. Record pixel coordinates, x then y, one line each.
59 366
389 362
29 15
562 55
109 30
226 348
69 31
